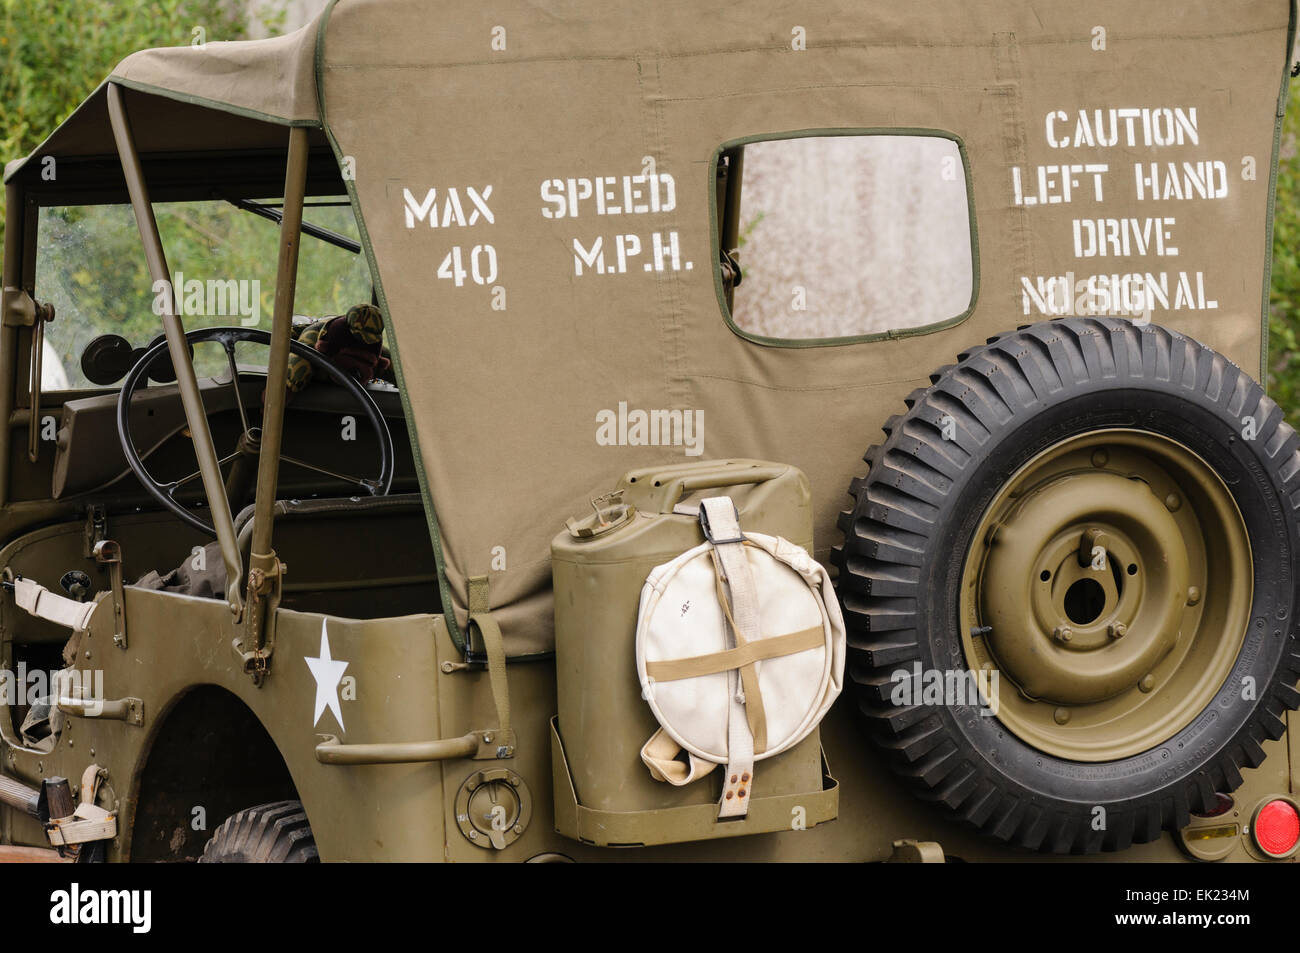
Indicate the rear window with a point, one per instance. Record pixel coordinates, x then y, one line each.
846 235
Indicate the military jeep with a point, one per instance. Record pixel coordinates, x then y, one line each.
272 598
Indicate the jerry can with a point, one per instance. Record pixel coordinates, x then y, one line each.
603 792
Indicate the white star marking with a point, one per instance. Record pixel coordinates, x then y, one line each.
328 673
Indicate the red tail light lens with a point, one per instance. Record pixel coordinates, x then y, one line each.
1277 828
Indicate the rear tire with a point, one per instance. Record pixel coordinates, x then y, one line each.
912 597
275 833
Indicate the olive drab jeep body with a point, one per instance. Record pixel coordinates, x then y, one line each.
354 572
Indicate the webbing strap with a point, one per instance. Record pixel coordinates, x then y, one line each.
722 527
43 604
480 617
662 756
751 696
715 662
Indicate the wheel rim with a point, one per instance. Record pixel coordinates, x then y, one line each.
1109 586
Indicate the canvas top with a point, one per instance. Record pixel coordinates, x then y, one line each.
471 136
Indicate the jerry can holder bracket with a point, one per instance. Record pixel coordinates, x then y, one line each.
693 822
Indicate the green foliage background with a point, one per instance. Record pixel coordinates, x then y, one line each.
55 52
1284 299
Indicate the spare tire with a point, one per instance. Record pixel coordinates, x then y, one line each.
1101 518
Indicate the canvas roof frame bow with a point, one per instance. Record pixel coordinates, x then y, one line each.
264 570
601 100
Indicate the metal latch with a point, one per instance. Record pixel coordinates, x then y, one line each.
96 528
108 553
731 272
255 644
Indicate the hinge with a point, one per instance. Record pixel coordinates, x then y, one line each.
18 307
96 529
256 643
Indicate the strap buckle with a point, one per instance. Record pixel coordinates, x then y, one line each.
708 531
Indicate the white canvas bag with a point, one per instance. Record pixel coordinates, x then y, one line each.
740 653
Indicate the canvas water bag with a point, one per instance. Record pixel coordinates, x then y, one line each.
739 652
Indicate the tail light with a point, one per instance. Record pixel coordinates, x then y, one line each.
1277 828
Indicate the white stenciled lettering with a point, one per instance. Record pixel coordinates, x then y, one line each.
665 254
1134 294
609 195
1057 184
1122 237
1129 126
1181 180
449 210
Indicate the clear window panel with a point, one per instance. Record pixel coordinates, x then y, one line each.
843 236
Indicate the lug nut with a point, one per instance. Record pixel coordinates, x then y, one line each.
1148 682
1172 502
1063 633
1117 630
1193 595
1061 715
1100 458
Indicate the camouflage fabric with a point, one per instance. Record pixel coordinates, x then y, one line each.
351 341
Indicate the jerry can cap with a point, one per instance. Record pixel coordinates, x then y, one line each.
609 513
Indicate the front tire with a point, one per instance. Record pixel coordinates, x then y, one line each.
275 833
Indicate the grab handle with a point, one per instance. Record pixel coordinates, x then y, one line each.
479 745
683 485
653 492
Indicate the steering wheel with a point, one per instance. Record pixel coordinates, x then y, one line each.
250 438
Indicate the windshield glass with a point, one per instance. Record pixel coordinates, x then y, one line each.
91 267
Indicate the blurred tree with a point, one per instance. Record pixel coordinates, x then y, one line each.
55 52
1284 304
